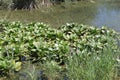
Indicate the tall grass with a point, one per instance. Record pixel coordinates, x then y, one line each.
95 67
83 66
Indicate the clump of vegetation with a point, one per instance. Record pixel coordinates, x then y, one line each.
30 4
37 42
96 67
24 4
4 4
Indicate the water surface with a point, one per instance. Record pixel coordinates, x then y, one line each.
100 13
108 14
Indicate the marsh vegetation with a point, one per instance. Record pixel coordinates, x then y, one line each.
59 49
73 51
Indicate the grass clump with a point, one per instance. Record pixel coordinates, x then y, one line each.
96 67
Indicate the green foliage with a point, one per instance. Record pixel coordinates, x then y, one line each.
84 67
38 42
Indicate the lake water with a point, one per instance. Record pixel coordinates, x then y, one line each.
108 14
99 13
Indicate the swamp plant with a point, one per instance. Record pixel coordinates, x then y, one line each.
37 42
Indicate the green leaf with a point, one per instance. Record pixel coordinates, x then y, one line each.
17 66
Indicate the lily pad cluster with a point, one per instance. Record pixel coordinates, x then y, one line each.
38 42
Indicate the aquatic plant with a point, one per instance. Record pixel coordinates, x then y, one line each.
37 42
